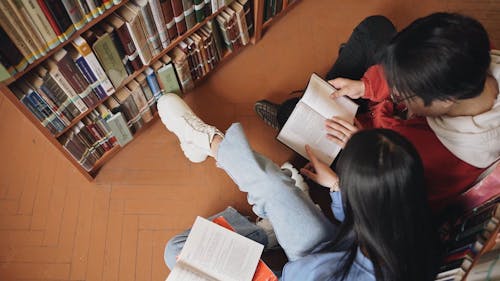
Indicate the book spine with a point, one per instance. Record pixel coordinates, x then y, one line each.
168 14
179 19
157 13
93 8
11 53
26 27
148 94
110 60
75 78
36 14
241 22
62 19
100 139
215 5
90 77
74 13
50 117
189 14
16 38
149 28
121 52
153 83
50 19
129 47
142 104
139 39
85 10
58 111
119 129
199 10
52 88
84 49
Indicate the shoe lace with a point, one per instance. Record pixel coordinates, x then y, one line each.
197 124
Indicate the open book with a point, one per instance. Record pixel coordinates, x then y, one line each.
213 252
306 124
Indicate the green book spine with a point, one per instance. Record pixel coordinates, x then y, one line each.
110 60
168 79
199 10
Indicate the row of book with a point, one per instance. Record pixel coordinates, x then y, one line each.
470 236
272 8
143 28
31 28
77 77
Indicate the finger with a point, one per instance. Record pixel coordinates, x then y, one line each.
308 174
334 128
339 141
309 166
345 123
338 83
312 157
339 93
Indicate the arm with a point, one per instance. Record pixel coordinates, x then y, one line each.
337 207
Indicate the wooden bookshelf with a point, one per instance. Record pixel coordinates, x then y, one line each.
258 6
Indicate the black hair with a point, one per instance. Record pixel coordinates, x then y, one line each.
443 56
386 209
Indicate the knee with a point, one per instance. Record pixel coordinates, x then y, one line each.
378 23
172 250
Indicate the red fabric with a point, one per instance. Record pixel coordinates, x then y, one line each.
446 176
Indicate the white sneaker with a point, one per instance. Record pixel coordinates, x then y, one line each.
299 180
194 135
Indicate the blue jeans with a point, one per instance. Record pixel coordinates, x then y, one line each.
299 225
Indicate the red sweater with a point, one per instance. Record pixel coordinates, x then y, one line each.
446 176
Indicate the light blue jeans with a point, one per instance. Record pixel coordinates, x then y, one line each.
299 225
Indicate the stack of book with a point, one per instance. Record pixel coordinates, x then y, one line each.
31 28
468 238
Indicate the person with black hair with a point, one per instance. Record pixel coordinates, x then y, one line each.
386 232
435 82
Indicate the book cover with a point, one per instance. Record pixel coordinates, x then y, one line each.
74 13
199 10
126 41
140 101
119 128
32 8
61 17
159 21
11 54
306 123
168 14
109 58
130 14
148 26
152 81
148 93
180 21
248 8
109 29
189 14
85 51
22 43
88 73
129 109
167 75
241 22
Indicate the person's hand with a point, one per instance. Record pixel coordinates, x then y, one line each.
320 172
354 89
340 131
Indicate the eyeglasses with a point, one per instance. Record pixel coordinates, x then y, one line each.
398 98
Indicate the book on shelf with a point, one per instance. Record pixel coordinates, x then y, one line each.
199 10
167 78
10 54
248 9
107 54
306 123
33 11
131 52
180 21
180 62
189 13
149 28
159 20
468 238
75 14
57 12
129 109
116 125
241 22
140 100
229 257
152 81
94 67
168 14
109 29
63 62
130 14
148 93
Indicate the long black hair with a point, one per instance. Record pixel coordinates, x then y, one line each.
386 209
442 56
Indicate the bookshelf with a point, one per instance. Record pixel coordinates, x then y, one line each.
5 86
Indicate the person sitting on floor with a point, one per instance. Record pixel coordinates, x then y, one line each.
432 83
386 231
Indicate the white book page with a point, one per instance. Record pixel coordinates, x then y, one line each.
184 273
220 253
306 124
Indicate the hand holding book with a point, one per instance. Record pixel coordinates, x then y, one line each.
320 172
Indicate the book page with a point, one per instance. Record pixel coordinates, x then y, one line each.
306 124
220 253
185 273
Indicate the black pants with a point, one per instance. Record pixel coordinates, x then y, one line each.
362 50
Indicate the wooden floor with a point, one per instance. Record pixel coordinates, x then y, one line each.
55 225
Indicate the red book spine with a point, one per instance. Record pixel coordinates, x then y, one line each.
129 47
178 10
168 14
49 17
